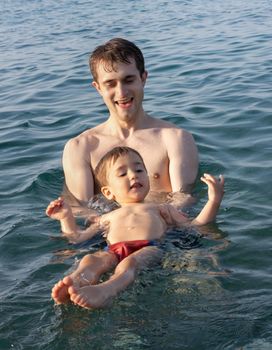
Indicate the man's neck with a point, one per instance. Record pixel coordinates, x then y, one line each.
124 128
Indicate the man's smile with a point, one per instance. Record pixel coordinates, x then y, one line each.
125 102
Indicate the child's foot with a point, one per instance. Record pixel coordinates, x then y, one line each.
87 273
89 297
99 295
60 293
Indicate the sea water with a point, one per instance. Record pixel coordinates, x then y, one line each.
210 72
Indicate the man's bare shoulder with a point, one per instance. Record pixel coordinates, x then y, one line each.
159 123
176 132
168 129
87 139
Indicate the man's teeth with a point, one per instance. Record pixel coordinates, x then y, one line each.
124 101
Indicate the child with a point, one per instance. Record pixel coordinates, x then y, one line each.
132 231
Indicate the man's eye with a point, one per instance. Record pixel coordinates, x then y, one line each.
122 174
139 170
110 84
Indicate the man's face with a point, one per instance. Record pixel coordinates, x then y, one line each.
122 90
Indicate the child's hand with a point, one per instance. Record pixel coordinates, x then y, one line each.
58 209
215 187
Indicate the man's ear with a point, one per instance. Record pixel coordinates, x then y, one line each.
106 191
96 86
144 77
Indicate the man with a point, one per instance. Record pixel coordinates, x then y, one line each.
170 153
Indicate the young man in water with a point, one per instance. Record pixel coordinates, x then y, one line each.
170 153
132 231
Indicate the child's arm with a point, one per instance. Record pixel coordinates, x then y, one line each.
215 196
172 216
60 210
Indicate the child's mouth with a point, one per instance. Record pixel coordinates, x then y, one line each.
136 185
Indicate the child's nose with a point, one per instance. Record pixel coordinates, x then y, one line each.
133 175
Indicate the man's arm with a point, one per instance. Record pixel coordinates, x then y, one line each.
183 159
77 169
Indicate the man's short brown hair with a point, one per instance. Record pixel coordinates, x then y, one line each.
114 51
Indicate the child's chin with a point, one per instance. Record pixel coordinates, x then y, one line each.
140 198
137 197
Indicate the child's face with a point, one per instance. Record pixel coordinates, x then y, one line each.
127 180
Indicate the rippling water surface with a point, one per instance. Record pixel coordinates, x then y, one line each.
210 71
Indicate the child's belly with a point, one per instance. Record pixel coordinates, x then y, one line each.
136 229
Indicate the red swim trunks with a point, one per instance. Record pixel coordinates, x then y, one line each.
124 249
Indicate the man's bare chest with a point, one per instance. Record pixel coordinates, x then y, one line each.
151 148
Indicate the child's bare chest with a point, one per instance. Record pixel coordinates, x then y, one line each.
135 225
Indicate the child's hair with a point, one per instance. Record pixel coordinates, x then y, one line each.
110 157
113 51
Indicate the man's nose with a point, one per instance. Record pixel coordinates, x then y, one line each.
121 90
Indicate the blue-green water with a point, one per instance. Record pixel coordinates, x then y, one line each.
210 71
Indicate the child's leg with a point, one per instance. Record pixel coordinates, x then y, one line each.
89 270
96 296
